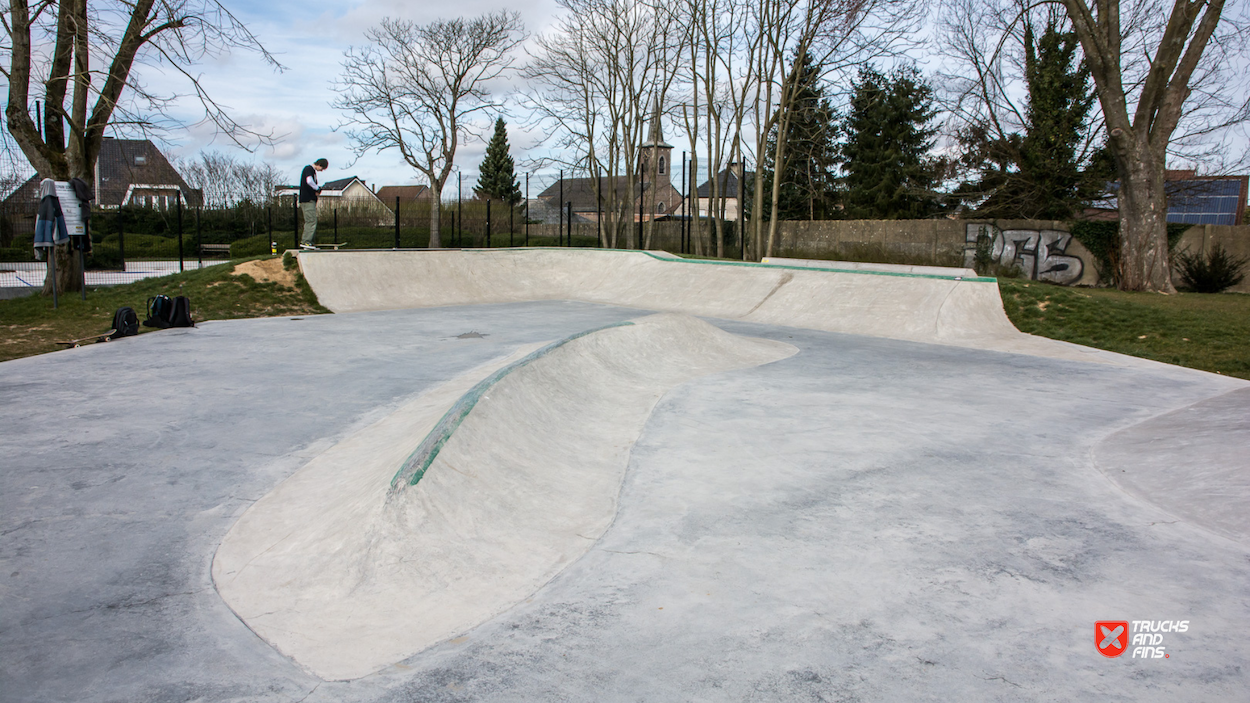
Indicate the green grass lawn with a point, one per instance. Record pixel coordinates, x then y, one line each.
1202 331
31 326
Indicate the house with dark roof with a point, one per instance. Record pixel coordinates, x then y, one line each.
129 173
349 193
655 200
730 183
1192 199
407 195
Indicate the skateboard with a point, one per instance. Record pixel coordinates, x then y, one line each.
103 337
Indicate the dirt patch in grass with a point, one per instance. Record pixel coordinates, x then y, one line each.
267 271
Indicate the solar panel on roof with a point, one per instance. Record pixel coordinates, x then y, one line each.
1204 202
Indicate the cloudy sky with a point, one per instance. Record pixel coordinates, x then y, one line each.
309 38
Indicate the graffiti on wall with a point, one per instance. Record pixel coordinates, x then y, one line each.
1041 255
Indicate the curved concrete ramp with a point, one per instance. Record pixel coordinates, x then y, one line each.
345 575
936 308
1188 462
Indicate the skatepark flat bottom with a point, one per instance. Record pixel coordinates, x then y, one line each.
868 519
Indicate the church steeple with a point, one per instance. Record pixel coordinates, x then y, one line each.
656 148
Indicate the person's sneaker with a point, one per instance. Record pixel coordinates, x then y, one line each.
308 247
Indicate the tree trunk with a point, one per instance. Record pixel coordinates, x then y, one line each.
436 190
1145 262
68 271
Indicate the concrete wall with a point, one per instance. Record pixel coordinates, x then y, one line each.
939 241
1234 239
1039 249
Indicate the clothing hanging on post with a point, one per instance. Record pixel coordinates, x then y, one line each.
50 220
83 192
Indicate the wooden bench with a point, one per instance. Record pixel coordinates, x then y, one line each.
215 249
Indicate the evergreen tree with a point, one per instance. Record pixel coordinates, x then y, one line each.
497 177
809 178
888 173
1039 174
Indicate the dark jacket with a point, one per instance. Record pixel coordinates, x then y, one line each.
50 223
307 194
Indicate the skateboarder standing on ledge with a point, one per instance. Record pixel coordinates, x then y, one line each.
308 189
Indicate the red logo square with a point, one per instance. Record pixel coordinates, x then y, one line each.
1111 637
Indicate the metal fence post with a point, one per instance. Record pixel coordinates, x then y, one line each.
511 223
681 236
82 255
527 209
336 225
396 221
295 221
569 219
488 223
199 242
121 237
50 270
642 198
181 265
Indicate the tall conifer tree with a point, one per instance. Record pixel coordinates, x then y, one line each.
1039 174
888 173
497 177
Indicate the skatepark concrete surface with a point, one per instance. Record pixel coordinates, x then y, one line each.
939 308
348 573
764 503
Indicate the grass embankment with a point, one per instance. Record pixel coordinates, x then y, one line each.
1201 331
253 288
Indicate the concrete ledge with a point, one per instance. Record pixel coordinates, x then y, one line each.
860 266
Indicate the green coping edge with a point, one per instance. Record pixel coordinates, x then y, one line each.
680 260
419 461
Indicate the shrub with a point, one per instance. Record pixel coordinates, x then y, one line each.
1216 271
104 258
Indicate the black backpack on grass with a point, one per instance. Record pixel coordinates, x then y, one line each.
125 323
181 315
160 312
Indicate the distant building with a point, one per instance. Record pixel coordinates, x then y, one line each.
349 193
129 173
730 183
408 195
1192 199
651 200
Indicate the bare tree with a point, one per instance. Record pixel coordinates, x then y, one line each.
608 61
715 29
594 78
839 35
1172 51
53 44
415 88
226 181
1160 91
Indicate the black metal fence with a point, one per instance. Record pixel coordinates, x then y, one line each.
133 243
